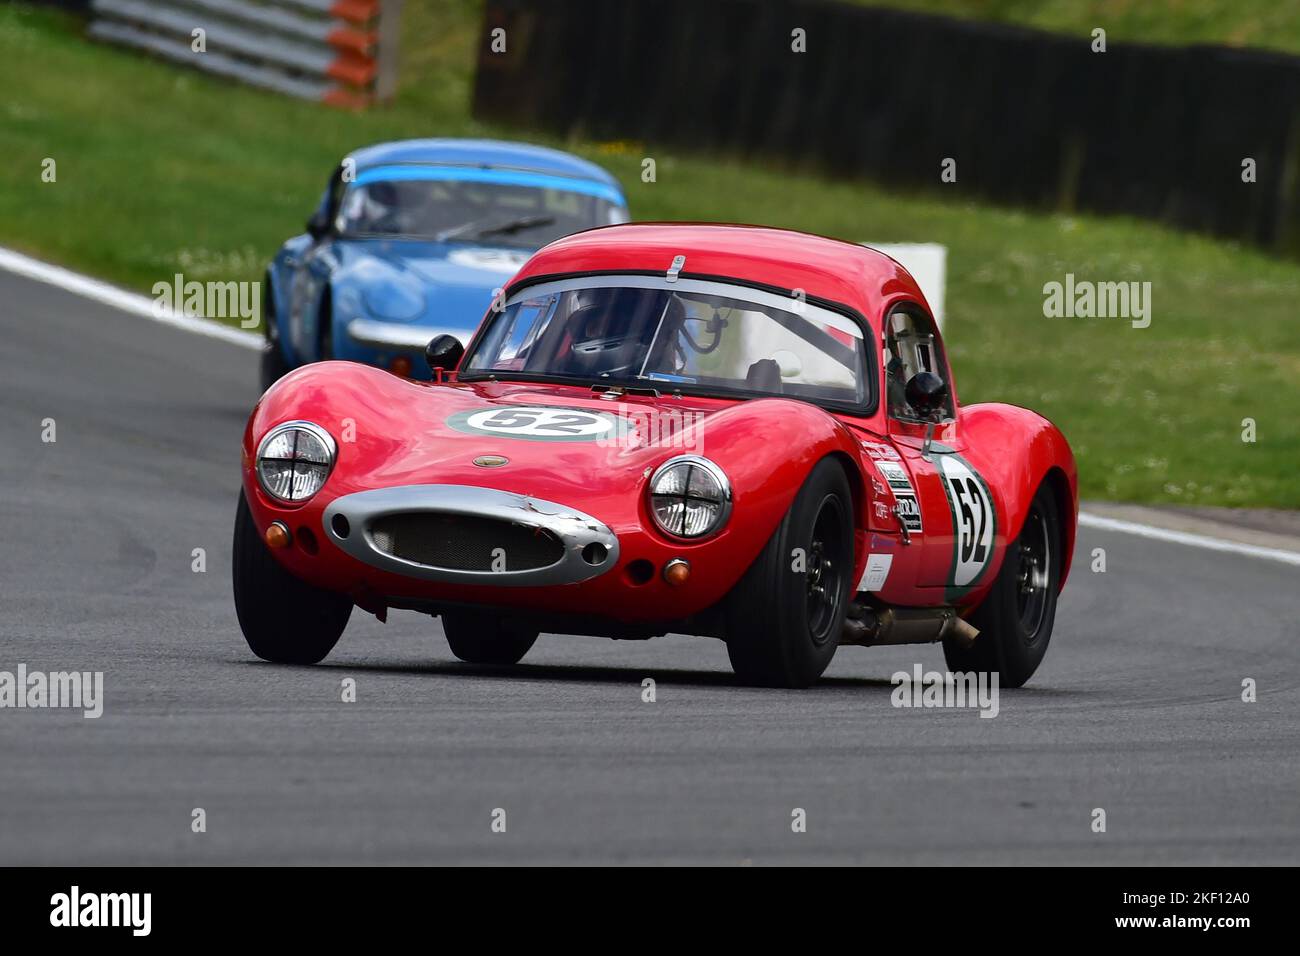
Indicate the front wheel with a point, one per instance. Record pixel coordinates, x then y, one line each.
486 639
1016 617
284 619
273 366
784 617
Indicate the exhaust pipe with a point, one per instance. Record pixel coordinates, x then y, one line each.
868 627
961 630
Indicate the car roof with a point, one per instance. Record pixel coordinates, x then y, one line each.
831 269
482 153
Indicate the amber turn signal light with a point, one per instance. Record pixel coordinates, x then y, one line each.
277 536
677 571
401 365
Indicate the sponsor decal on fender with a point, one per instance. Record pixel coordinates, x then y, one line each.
901 485
878 452
876 572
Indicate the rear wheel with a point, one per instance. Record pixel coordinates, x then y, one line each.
1015 620
285 620
784 617
485 638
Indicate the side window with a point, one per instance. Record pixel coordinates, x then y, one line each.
911 346
519 331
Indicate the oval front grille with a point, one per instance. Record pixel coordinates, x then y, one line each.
456 542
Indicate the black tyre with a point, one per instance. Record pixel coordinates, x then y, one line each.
325 328
274 366
784 617
1015 619
486 638
285 620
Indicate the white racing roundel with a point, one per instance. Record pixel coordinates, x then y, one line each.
974 521
536 423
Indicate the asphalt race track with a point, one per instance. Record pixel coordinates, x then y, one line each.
1136 710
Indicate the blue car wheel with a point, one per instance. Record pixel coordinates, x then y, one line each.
274 366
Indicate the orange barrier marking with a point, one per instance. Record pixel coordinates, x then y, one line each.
347 38
350 68
357 11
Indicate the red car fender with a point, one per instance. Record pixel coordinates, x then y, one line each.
1017 450
768 447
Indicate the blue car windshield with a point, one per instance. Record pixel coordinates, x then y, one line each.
471 211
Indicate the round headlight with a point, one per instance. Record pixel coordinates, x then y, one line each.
394 300
690 497
293 460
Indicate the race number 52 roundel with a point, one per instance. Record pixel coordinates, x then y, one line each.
974 520
537 423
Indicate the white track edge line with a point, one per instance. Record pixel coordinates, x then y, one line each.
145 307
111 295
1183 537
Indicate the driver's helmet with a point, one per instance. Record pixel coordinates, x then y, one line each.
382 193
382 204
599 321
591 325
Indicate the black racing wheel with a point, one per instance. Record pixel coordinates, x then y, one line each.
1016 617
273 364
285 620
480 638
784 617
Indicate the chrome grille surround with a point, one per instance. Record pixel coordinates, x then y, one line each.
371 517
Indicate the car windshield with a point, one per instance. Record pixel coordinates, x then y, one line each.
699 336
471 211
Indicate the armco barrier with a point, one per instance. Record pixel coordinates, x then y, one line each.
1031 118
342 52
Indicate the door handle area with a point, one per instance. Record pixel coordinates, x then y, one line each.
902 523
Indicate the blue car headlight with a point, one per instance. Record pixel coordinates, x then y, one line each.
393 300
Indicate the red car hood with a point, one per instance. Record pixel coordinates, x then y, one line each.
393 431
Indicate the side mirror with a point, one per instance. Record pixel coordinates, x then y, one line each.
443 353
318 225
927 393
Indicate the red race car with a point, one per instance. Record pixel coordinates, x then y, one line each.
738 432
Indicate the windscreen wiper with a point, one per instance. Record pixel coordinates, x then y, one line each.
478 230
515 225
626 390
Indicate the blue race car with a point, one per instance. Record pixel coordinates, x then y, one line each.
413 239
